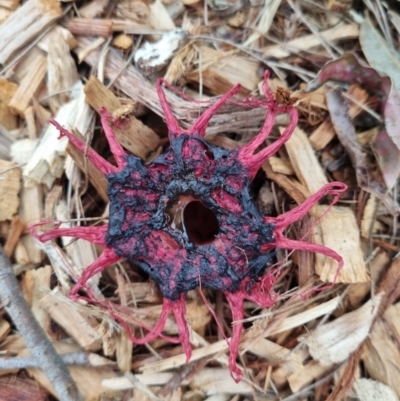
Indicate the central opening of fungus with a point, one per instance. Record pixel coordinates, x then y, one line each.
200 223
187 214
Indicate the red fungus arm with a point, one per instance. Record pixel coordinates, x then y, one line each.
235 301
116 148
297 213
101 164
96 235
199 127
179 309
172 124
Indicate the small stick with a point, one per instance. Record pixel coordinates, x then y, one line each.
69 359
38 344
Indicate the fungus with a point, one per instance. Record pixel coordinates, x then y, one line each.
188 219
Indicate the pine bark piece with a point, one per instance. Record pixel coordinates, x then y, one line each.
17 389
62 73
133 135
71 320
10 185
29 85
90 27
7 91
25 24
16 229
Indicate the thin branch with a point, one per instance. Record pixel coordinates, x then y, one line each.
70 359
35 339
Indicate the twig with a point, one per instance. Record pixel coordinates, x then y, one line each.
36 341
69 359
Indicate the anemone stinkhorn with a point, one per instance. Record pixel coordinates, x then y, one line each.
188 218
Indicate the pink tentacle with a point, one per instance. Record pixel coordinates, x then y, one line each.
106 259
270 150
156 331
172 124
120 315
282 221
199 127
286 243
96 235
246 153
116 148
235 300
179 309
104 166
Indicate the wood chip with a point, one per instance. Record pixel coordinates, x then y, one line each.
10 184
18 389
7 91
304 43
122 41
134 135
88 379
333 342
219 72
16 229
71 320
62 74
90 27
348 245
29 85
25 24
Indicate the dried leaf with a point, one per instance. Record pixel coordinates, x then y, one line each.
347 69
388 157
345 130
380 55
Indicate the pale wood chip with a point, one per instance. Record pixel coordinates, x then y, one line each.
29 85
338 230
71 320
25 24
333 342
7 91
10 185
